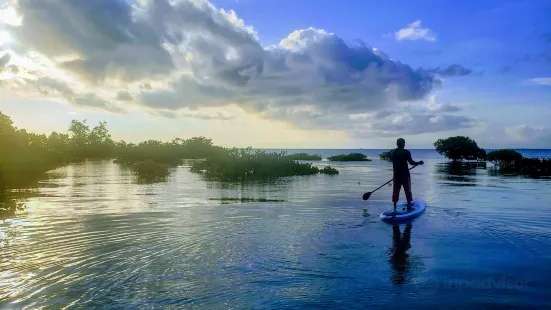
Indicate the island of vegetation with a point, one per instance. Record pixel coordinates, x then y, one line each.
25 157
349 157
460 148
239 164
304 156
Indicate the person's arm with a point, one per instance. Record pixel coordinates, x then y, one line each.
414 163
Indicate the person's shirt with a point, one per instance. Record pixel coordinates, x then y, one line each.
400 159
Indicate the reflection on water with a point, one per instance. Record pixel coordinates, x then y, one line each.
399 258
402 263
91 237
459 173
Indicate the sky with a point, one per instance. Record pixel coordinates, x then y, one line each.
282 74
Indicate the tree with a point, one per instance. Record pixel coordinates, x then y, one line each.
459 148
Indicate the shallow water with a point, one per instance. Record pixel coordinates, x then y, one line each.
91 237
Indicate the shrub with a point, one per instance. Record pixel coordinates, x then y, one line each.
505 158
459 148
385 155
349 157
329 170
150 169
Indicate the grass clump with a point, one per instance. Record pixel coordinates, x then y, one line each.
349 157
304 156
329 170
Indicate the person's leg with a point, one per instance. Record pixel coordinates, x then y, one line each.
407 190
395 191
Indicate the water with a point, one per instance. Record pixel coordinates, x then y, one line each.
91 237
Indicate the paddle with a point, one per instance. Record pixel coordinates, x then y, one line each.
368 194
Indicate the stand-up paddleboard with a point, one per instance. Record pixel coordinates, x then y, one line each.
402 214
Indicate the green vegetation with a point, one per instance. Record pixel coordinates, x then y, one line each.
150 170
170 153
511 161
239 164
385 155
304 156
504 158
349 157
507 161
329 170
459 148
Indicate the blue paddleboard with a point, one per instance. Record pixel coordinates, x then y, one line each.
401 212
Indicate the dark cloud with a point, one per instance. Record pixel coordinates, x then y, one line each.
4 60
108 40
453 70
124 96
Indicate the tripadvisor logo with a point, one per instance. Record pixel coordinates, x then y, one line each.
488 283
431 285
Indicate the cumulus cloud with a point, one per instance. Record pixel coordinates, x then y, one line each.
414 32
541 81
530 135
453 70
187 55
435 107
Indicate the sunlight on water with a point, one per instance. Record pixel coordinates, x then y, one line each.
91 237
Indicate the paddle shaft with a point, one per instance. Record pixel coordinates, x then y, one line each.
390 180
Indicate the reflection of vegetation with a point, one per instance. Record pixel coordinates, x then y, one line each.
349 157
385 155
25 157
329 170
246 199
9 205
459 148
304 156
462 172
242 164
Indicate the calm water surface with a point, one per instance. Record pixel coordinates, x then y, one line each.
90 237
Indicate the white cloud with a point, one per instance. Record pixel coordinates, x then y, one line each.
414 32
541 81
179 56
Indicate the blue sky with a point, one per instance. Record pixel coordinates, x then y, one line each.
292 70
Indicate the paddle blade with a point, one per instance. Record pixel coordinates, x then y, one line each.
366 195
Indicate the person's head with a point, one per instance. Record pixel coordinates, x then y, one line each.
401 143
